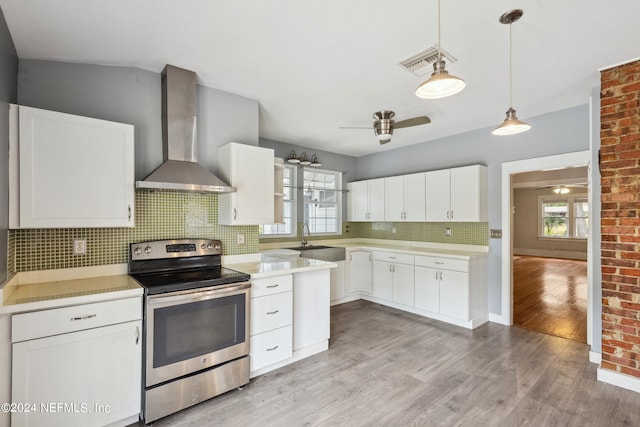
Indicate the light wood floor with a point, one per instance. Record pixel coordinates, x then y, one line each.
385 367
550 296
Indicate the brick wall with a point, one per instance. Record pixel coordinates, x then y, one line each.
620 223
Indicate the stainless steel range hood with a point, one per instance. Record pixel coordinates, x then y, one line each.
180 170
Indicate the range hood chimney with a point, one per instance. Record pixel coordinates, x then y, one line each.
180 170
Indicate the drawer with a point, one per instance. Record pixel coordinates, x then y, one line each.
38 324
271 312
271 347
442 263
393 257
271 285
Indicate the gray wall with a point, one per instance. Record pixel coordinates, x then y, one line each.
131 95
554 133
525 228
331 161
8 94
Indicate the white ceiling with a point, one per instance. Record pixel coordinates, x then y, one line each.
316 66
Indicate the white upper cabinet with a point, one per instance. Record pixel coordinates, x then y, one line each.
69 171
367 200
405 198
250 169
458 194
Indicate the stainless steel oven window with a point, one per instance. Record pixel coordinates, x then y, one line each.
189 330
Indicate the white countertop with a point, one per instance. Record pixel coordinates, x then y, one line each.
414 248
58 288
278 267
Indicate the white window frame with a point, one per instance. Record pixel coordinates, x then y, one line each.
293 187
338 208
570 199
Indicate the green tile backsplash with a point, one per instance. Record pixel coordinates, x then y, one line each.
159 215
467 233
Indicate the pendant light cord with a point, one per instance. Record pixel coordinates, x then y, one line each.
439 48
510 69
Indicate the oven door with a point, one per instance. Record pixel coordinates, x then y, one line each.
193 330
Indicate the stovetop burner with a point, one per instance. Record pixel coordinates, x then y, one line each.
163 266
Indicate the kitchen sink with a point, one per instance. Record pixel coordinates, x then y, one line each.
324 253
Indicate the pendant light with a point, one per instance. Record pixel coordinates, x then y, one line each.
511 124
441 84
293 158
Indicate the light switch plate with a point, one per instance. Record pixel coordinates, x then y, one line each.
495 234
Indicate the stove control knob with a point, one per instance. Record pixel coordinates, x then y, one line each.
137 250
147 250
210 246
203 246
217 246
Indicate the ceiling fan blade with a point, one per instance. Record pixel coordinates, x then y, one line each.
415 121
384 141
355 127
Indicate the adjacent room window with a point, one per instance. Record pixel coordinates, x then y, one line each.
288 227
322 192
563 217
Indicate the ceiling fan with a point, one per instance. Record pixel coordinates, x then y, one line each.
384 124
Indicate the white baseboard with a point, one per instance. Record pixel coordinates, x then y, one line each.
595 357
551 253
498 318
619 380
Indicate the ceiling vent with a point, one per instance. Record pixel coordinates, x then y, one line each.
422 63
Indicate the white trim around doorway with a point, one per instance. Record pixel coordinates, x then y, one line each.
575 159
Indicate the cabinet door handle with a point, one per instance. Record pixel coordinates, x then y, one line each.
451 214
129 212
87 316
273 286
273 312
235 213
273 348
447 214
441 275
137 335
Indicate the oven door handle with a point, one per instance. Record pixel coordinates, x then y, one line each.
198 294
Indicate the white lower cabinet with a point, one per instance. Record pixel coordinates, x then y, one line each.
393 277
338 282
360 271
289 318
444 287
311 308
74 366
451 289
271 321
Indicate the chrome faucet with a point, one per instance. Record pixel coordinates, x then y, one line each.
303 241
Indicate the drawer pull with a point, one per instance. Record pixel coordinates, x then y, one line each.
392 257
273 312
273 348
273 286
88 316
439 262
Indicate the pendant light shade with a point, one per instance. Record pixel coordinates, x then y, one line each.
293 158
441 84
511 124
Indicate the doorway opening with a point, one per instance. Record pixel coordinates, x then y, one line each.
509 170
550 232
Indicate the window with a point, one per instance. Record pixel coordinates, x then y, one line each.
563 217
287 228
322 192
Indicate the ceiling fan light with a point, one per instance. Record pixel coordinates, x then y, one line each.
561 190
383 136
511 125
441 84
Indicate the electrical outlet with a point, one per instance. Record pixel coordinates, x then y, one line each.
79 246
447 231
394 230
240 238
